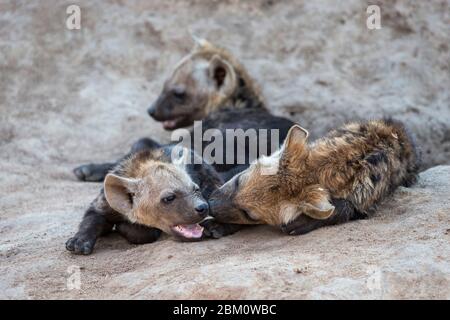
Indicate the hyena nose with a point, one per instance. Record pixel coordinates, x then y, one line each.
202 209
151 111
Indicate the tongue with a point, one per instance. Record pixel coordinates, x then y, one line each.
169 124
190 231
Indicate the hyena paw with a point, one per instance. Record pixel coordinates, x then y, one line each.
217 230
80 245
90 172
296 229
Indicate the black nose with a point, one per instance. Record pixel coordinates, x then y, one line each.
151 111
202 209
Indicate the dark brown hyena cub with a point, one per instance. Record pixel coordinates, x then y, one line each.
335 179
151 191
208 84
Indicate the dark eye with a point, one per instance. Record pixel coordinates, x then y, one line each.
236 183
248 216
169 198
179 94
196 189
274 188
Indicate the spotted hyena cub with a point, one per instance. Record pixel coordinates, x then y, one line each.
211 85
151 191
207 80
305 186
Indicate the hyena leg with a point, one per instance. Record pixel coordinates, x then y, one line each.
344 211
217 230
410 179
93 225
138 234
303 224
144 144
96 172
93 172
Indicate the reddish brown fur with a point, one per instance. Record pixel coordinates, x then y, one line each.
352 169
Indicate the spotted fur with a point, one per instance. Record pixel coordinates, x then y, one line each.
211 85
340 177
131 200
205 81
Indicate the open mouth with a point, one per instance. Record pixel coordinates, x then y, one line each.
174 123
188 231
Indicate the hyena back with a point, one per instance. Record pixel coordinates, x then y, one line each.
340 177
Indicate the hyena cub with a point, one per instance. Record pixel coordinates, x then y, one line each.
306 186
151 191
208 84
207 80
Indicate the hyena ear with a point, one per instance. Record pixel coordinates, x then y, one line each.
119 192
222 74
293 148
317 205
181 155
200 43
296 138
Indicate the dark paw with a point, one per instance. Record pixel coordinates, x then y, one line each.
144 144
91 172
80 245
296 231
138 234
217 230
213 231
302 225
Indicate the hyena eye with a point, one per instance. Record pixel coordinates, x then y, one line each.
274 189
168 199
179 94
131 197
248 216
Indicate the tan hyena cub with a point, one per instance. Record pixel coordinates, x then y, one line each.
207 80
149 192
335 179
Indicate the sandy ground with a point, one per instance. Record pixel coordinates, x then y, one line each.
70 97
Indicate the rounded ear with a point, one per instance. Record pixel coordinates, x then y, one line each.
119 192
222 74
317 204
296 137
321 212
181 155
200 43
294 149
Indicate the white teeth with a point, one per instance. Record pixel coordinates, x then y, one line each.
179 228
188 231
